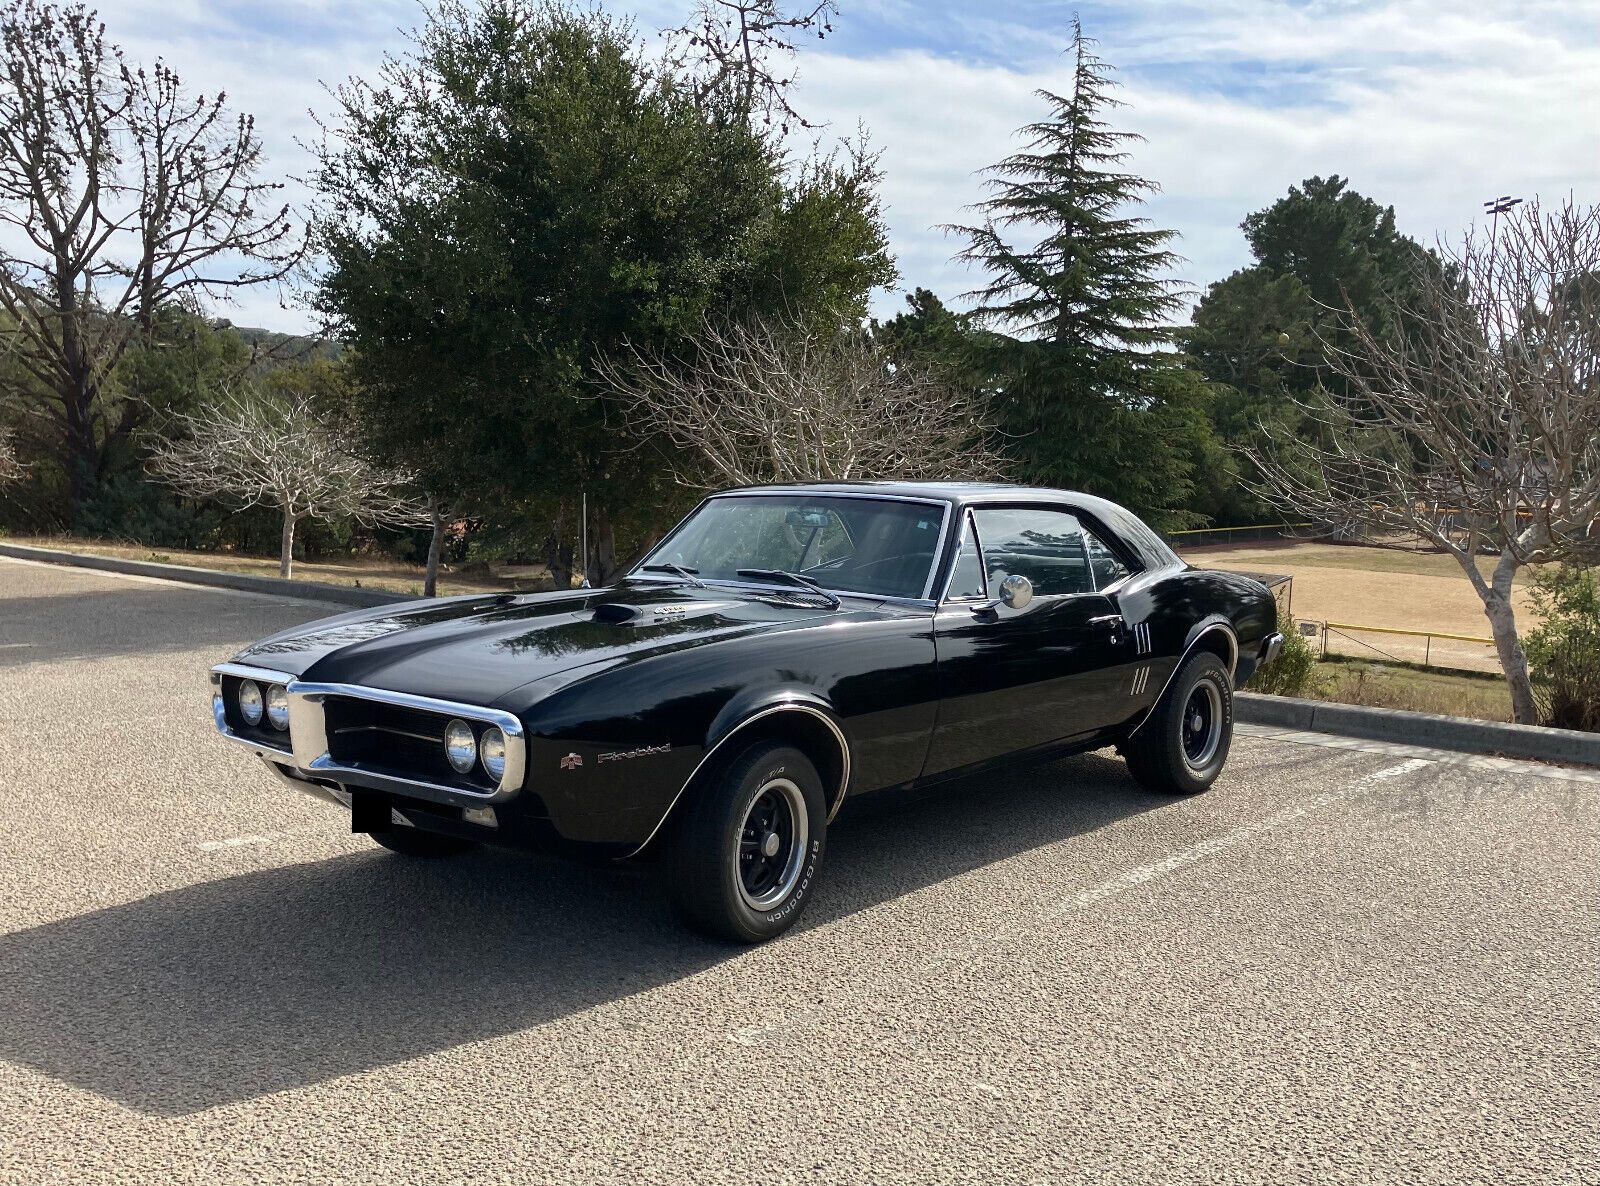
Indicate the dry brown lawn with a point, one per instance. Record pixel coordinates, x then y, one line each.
1379 587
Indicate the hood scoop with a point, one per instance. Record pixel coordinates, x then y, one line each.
621 613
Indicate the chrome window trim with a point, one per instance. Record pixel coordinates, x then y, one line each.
770 710
308 738
933 567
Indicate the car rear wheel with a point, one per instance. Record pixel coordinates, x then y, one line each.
743 855
413 842
1183 745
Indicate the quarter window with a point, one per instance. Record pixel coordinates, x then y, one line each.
1107 568
967 579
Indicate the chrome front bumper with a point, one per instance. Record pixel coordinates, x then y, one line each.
305 751
1271 647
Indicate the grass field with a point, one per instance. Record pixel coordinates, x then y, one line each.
1382 588
1384 685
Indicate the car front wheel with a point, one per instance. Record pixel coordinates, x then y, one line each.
1180 749
743 856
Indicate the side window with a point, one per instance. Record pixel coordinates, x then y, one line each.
1107 568
1047 547
967 579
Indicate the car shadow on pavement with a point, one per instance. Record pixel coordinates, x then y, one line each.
232 989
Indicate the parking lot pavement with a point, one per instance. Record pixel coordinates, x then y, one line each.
1340 965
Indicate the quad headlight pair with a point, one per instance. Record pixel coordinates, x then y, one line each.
463 749
273 704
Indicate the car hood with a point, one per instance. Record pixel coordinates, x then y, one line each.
477 649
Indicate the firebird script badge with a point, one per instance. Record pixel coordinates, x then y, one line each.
572 761
642 752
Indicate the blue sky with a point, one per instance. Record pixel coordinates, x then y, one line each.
1428 105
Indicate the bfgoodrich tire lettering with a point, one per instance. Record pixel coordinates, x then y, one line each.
1182 748
742 857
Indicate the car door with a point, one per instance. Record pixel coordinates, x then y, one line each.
1011 679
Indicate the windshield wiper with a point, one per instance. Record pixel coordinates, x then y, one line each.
792 577
676 570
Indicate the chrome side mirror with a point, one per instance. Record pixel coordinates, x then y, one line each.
1016 591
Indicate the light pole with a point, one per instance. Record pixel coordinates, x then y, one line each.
1495 207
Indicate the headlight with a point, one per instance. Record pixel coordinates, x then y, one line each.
493 752
250 702
277 706
460 747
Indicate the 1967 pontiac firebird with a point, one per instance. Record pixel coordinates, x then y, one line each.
783 649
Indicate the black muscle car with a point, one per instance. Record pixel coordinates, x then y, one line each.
784 648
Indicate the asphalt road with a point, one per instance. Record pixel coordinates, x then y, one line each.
1342 965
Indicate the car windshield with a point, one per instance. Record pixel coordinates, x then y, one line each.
854 545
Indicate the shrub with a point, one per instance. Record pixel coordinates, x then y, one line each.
1565 651
1293 672
126 507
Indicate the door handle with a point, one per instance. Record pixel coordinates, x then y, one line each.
1112 621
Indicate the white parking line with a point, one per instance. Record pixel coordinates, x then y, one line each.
264 838
1178 860
1401 750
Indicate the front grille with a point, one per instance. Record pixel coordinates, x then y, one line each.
402 742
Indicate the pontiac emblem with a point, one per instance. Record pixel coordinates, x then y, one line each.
572 761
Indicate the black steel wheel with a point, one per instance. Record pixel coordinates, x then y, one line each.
1182 746
743 853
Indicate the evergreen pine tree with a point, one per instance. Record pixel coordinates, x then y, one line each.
1077 302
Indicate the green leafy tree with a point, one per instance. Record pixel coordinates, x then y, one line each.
1342 245
1258 336
1076 301
525 191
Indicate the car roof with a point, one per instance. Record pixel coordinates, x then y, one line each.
964 493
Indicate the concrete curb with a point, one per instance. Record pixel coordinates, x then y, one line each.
273 586
1419 728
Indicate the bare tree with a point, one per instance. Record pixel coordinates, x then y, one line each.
11 468
759 401
250 448
119 192
1473 423
736 42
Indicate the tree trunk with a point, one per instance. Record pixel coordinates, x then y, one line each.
430 581
286 553
1497 607
558 552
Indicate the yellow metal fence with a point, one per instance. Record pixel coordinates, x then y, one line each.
1472 656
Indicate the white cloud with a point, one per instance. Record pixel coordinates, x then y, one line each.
1431 105
1426 110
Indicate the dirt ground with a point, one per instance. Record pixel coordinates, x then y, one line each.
1378 587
